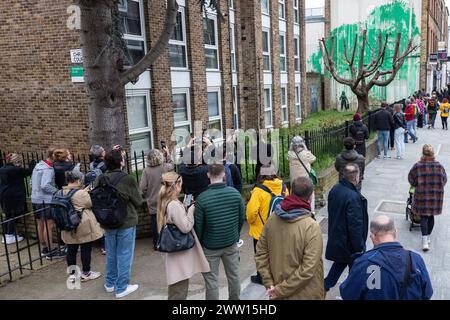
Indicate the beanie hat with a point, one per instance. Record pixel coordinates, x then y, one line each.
357 117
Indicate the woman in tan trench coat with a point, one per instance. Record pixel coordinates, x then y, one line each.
87 231
180 266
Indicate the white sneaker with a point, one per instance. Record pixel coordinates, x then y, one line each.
10 239
109 289
425 244
130 289
92 275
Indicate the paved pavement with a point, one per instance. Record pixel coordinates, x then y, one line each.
385 180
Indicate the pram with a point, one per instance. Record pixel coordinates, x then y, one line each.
410 215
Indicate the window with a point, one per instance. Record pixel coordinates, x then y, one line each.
265 6
177 43
284 108
298 112
181 109
266 50
282 52
232 4
233 48
297 54
210 38
281 10
296 12
214 112
235 107
268 108
139 121
131 25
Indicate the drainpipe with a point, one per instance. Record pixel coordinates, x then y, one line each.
428 40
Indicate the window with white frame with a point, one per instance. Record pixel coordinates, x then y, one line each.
297 53
181 108
232 4
282 52
235 107
210 38
139 120
266 50
214 111
296 12
265 6
284 107
268 108
132 27
281 9
298 111
233 48
177 43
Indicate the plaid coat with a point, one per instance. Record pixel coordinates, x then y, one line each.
429 179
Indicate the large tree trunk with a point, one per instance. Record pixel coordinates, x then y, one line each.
363 103
103 63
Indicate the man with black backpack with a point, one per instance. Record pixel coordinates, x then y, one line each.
395 273
115 198
96 166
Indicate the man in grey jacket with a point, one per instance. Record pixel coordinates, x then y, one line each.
42 190
350 155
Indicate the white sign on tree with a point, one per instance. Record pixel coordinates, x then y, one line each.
76 56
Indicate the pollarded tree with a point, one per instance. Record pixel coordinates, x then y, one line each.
365 76
105 76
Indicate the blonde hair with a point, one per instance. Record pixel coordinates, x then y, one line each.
61 155
427 152
169 181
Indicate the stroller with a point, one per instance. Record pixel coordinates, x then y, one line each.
410 215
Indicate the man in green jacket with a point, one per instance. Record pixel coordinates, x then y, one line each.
120 242
219 216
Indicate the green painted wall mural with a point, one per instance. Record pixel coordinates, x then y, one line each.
390 18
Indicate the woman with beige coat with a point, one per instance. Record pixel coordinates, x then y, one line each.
87 231
180 266
298 154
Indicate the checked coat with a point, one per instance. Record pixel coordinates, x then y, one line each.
429 178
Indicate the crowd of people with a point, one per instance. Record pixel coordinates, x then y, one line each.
202 208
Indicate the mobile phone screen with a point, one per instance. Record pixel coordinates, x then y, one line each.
187 200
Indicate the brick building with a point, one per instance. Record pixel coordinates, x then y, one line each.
242 70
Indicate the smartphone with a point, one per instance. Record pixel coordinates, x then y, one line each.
188 199
163 145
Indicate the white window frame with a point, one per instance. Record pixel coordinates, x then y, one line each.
283 55
231 4
219 116
181 43
213 17
267 53
284 106
282 4
187 122
296 13
142 36
297 54
268 8
235 106
267 109
297 102
149 128
233 48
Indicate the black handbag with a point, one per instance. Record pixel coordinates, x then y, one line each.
171 239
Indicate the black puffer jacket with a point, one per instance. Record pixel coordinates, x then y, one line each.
350 156
12 187
60 172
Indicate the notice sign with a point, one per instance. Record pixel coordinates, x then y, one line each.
76 56
77 74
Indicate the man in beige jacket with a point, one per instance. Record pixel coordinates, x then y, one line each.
289 251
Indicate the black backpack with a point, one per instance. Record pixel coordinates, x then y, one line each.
63 212
108 206
95 170
274 201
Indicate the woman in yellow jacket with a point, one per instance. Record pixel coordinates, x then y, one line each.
445 107
259 205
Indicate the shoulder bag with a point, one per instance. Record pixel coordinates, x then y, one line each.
312 173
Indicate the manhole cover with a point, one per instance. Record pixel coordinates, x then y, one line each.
324 225
391 207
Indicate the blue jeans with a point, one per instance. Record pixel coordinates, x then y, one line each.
411 131
334 274
383 140
119 245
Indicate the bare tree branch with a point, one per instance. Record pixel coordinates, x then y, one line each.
132 74
329 64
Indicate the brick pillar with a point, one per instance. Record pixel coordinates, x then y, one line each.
196 58
161 92
290 52
424 46
275 60
303 85
239 64
251 75
225 65
327 79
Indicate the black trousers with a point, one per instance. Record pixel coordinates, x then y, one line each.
420 120
10 226
392 137
86 249
154 229
426 225
444 122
